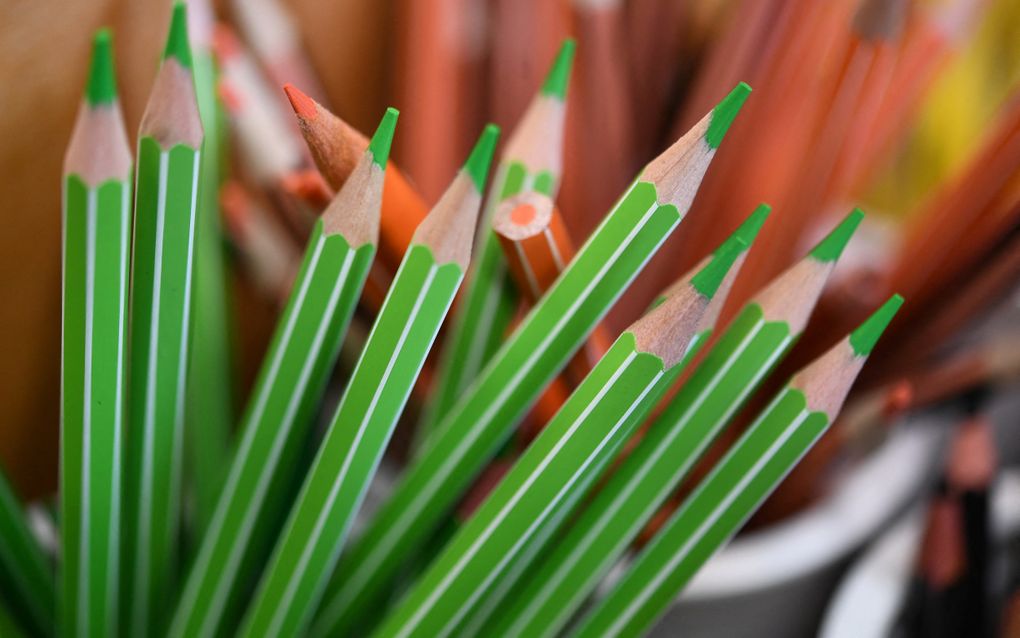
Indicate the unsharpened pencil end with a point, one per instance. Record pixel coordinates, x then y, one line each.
724 113
102 86
177 45
830 248
864 338
303 105
559 75
478 162
708 279
748 231
379 147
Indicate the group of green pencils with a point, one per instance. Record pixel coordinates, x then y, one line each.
270 523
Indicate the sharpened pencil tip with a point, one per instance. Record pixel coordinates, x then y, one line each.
724 113
864 338
748 230
478 162
558 79
177 45
708 279
303 105
379 147
102 85
830 248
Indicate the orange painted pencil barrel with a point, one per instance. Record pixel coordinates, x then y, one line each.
537 248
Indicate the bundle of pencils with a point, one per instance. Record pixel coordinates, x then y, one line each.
517 386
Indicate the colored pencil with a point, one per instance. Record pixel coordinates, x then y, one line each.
484 416
375 395
531 160
96 212
723 501
25 570
290 385
335 147
209 409
166 196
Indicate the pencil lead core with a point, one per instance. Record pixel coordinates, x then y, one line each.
864 338
102 83
177 39
303 105
379 147
830 248
724 113
478 162
708 279
559 74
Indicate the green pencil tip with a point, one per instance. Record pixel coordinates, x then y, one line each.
478 162
559 75
748 231
102 86
177 45
830 248
724 113
379 147
864 338
708 279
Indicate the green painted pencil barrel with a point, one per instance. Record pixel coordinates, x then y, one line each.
160 309
96 257
415 305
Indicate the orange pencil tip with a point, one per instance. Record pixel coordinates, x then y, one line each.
303 105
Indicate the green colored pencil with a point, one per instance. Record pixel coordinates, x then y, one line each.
209 409
24 567
288 390
551 333
489 614
96 211
745 353
567 457
166 192
531 160
407 324
738 484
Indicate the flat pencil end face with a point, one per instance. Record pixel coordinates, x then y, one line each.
830 248
748 231
724 113
708 279
864 338
379 147
303 105
556 81
177 45
478 162
102 84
